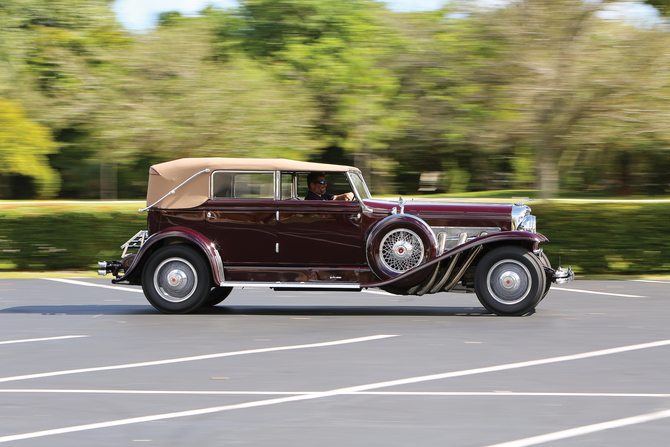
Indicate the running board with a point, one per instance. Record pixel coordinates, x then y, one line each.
291 285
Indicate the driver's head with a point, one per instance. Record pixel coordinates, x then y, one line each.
316 182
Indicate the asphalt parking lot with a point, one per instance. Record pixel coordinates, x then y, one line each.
87 363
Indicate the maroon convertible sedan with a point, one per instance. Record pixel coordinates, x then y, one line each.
217 223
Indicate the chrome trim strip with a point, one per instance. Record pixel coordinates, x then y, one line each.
219 263
454 233
291 285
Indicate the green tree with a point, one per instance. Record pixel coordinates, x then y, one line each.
55 61
449 71
24 146
176 100
575 83
663 6
335 49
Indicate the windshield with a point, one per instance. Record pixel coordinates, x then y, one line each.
359 185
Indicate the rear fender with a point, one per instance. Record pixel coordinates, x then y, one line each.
176 235
523 238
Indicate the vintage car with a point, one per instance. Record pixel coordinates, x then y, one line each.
219 223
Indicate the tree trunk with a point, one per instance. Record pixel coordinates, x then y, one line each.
108 183
547 179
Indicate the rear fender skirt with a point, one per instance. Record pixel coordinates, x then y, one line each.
524 237
185 234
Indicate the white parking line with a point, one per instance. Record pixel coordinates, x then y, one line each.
377 292
585 429
29 340
597 293
648 280
300 393
372 386
506 394
194 358
88 284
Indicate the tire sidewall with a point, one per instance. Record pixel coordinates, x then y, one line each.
544 260
531 264
200 267
217 295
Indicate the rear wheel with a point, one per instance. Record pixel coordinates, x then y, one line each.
176 279
510 280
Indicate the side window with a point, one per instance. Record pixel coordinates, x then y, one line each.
286 185
337 183
242 185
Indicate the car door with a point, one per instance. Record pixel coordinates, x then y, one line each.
242 217
320 233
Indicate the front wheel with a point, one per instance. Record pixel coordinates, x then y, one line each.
176 279
544 260
216 295
510 280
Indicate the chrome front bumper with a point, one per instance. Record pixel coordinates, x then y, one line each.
563 276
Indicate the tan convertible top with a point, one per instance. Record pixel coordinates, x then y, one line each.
165 177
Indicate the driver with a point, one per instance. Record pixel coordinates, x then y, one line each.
316 182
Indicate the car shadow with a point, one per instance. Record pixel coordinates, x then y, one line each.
413 311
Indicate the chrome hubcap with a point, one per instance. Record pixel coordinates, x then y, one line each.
175 280
401 250
509 281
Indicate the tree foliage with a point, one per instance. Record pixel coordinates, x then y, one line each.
24 146
532 93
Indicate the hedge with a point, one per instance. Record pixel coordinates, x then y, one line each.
65 238
594 238
606 238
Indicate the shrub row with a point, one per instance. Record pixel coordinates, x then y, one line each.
606 238
43 238
594 238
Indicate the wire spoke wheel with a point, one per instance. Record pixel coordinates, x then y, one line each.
401 250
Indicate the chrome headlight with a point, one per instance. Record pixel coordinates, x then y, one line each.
522 220
529 224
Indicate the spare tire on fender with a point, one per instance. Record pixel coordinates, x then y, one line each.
400 243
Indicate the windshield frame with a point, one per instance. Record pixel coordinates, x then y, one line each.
359 188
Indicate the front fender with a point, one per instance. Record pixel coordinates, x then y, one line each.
177 233
522 237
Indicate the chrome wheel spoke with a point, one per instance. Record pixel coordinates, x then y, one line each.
401 250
